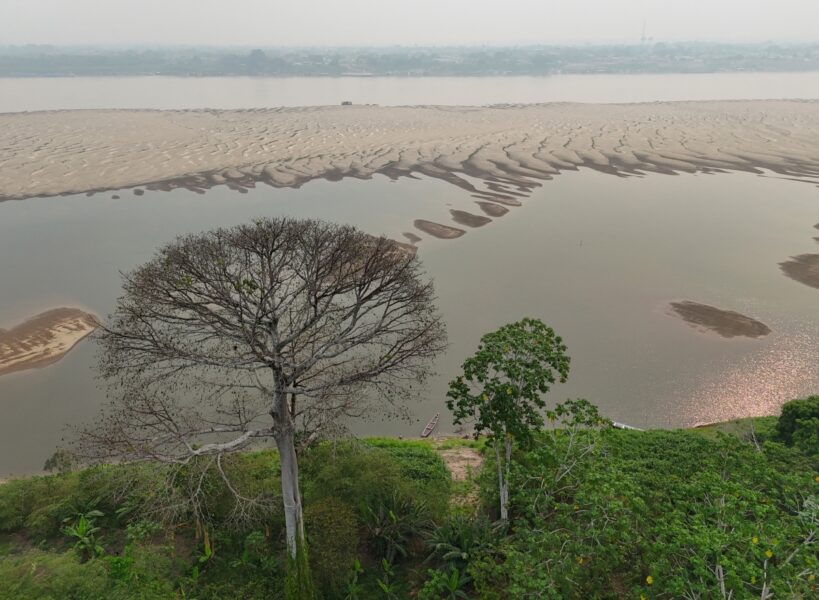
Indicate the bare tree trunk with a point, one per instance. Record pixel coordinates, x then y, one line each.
299 584
291 496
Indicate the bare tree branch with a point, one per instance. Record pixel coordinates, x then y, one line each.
238 335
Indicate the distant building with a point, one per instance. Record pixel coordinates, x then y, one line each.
346 103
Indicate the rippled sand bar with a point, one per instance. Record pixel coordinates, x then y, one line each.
43 339
61 152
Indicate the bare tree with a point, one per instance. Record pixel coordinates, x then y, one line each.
242 334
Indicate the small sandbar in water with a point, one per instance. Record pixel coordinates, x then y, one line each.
443 232
468 219
803 268
492 209
43 339
726 323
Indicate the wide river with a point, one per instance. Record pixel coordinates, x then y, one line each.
52 93
597 257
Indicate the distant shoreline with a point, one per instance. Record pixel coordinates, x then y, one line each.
648 56
809 69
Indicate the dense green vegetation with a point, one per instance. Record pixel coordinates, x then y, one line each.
593 513
659 515
363 501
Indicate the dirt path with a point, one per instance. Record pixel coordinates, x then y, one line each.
462 462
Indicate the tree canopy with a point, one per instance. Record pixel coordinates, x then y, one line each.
276 329
502 388
503 383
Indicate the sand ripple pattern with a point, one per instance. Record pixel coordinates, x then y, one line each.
511 148
43 339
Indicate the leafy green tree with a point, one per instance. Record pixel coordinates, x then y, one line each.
502 388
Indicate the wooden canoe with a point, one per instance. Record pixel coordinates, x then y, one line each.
433 423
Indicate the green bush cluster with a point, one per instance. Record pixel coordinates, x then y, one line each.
332 534
655 515
799 425
48 575
394 490
154 543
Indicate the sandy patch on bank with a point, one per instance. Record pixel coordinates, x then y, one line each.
726 323
509 149
43 339
462 462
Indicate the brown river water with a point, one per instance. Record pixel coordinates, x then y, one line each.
597 257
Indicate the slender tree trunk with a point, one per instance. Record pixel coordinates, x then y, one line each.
299 584
502 484
291 496
507 464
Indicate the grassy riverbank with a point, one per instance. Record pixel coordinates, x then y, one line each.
594 514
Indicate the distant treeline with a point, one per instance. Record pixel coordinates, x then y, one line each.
24 61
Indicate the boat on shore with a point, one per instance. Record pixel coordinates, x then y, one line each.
433 423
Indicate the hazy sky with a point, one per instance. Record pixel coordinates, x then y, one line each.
405 22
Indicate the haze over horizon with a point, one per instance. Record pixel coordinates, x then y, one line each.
422 22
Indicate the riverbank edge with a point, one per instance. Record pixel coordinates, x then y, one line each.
746 427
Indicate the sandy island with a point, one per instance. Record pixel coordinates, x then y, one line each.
43 339
726 323
510 148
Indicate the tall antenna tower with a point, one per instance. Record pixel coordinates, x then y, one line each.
643 37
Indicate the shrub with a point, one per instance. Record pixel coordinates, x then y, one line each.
806 436
393 524
85 535
236 566
332 532
416 460
360 474
146 572
40 504
12 505
440 585
458 540
798 424
38 575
